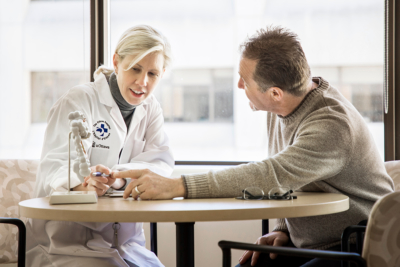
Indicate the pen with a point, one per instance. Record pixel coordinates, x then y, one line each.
97 174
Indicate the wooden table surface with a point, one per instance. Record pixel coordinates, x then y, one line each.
185 210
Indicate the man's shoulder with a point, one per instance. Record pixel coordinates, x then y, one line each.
331 103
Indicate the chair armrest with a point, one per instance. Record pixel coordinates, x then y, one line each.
358 229
226 247
363 223
21 237
346 235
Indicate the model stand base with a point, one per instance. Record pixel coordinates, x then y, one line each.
73 197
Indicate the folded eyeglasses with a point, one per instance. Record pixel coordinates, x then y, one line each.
276 193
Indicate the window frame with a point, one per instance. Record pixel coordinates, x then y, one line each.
392 75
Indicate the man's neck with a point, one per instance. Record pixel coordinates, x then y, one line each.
292 102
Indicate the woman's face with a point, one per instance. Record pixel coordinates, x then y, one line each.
137 83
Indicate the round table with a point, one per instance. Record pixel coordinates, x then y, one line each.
184 212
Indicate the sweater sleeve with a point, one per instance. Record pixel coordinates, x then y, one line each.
321 149
281 226
196 186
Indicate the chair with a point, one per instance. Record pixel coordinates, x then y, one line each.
359 229
21 238
393 169
381 246
17 181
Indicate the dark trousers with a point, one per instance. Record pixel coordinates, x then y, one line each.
287 261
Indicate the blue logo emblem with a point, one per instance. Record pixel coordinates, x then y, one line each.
102 130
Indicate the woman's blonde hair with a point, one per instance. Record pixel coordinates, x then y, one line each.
140 41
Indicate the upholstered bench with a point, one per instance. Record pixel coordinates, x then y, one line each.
17 183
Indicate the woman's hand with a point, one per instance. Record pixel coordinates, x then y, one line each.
277 239
99 184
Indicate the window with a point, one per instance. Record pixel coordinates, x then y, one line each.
44 47
197 95
206 116
48 87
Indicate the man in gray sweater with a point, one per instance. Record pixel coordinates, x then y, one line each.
318 142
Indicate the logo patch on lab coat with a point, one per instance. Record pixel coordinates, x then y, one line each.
99 145
101 130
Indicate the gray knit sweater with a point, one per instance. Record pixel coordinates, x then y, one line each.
322 146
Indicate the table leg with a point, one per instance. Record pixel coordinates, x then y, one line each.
153 237
185 244
265 227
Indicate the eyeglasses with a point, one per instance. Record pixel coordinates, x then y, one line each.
276 193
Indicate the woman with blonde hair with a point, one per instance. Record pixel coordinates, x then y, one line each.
127 133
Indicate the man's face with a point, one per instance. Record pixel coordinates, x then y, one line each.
258 100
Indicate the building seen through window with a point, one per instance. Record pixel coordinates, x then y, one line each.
197 95
48 87
206 116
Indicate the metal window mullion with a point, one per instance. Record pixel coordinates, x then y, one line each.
93 38
396 72
99 34
391 150
107 32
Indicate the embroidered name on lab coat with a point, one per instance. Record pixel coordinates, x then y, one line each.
99 145
101 130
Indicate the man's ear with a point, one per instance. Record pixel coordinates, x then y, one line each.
115 62
276 93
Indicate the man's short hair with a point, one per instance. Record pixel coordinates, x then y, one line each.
281 61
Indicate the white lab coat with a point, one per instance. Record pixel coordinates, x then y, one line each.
145 145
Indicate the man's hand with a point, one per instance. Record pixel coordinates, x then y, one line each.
151 185
277 239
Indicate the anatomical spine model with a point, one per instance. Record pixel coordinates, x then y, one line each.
79 130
